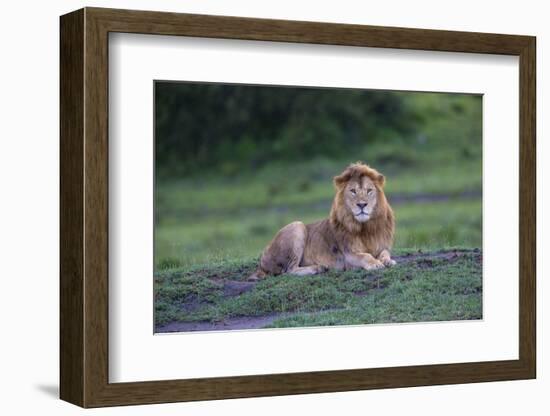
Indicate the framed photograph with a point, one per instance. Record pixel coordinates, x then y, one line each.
254 207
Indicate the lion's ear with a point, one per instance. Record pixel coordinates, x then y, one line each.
342 179
381 179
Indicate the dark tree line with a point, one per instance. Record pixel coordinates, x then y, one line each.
201 125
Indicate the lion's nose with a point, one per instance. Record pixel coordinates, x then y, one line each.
361 206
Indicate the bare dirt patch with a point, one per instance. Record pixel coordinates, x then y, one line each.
236 287
427 258
243 322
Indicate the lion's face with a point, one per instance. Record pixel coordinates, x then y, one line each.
360 198
360 212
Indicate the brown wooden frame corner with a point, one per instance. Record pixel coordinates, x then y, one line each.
84 207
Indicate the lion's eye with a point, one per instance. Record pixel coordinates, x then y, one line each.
353 191
369 191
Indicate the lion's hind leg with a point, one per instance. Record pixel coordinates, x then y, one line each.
285 252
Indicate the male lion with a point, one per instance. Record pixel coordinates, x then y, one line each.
358 233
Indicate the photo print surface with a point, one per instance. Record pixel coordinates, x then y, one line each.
282 206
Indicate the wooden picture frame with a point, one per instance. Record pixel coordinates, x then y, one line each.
84 207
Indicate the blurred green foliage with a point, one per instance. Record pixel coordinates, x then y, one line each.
235 163
240 126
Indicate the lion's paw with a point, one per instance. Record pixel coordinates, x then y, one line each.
374 265
389 262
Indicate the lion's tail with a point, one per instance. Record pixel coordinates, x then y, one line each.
257 275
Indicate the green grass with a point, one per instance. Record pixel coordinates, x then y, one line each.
212 239
211 230
419 290
283 186
199 221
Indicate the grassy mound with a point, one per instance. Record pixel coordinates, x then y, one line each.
435 286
